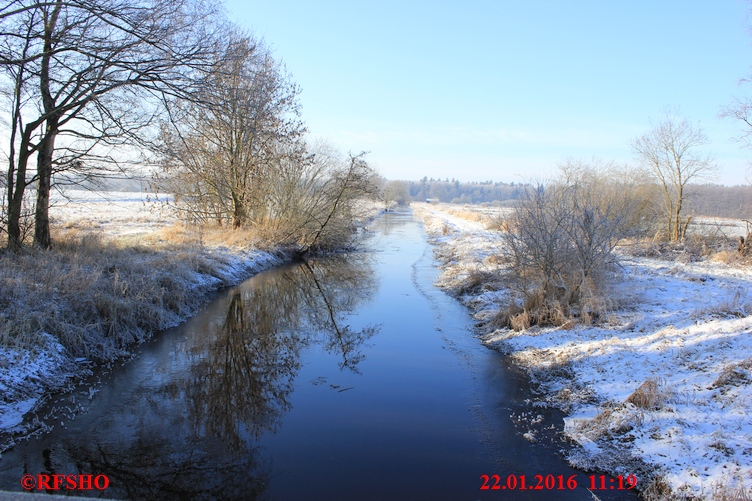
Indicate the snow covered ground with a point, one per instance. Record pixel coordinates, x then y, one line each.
663 390
114 213
720 226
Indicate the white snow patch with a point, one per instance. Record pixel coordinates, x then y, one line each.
21 375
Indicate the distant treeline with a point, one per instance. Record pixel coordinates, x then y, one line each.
453 191
703 199
720 201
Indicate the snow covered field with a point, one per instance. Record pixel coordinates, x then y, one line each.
114 213
663 390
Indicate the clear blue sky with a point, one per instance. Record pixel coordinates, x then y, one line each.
504 90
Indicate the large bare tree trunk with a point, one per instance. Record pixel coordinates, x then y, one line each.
42 236
239 215
16 194
47 145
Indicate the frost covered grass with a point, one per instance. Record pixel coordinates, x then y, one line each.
97 292
660 387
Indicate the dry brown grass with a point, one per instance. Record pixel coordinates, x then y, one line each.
734 375
618 418
740 491
97 296
546 307
736 304
693 248
650 395
478 280
657 489
196 236
467 214
726 257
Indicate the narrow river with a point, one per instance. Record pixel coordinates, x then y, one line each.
347 377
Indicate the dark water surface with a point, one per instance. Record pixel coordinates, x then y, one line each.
349 377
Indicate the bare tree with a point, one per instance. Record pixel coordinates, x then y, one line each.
670 152
89 76
238 155
219 151
741 109
395 192
334 203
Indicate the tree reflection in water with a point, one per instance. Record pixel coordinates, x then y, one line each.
241 385
159 466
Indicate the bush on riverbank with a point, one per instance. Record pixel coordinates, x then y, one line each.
560 240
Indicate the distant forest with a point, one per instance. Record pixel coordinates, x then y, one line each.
703 200
464 193
720 201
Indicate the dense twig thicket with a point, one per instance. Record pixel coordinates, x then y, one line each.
560 241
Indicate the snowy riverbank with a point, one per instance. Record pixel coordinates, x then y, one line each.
662 390
120 272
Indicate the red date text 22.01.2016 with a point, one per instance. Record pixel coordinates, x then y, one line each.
556 482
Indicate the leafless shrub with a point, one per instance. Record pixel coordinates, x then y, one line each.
560 241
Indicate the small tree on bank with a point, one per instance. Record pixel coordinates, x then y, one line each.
670 153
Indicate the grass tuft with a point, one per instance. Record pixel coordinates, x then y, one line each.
650 395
